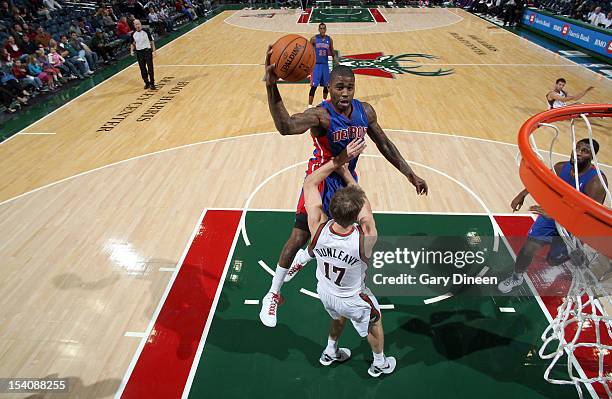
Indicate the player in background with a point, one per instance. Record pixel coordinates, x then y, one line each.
558 97
342 247
332 126
544 231
324 47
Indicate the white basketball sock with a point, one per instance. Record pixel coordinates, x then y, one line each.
379 358
277 280
332 346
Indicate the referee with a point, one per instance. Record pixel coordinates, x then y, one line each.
142 42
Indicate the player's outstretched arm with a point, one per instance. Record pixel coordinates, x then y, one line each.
518 201
312 196
390 151
285 124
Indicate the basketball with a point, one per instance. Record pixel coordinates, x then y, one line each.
294 58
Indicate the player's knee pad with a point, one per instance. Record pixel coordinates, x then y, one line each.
312 90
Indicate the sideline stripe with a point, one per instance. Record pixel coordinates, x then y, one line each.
166 359
378 16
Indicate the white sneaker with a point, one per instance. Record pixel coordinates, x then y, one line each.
387 368
342 355
269 308
508 284
294 269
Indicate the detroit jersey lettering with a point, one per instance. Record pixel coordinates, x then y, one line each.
322 49
341 131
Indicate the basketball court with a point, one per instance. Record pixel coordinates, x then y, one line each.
139 230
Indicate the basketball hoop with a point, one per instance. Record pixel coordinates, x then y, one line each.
581 326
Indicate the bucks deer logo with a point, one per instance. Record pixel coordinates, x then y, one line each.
387 66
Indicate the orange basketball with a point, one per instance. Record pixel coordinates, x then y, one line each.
294 57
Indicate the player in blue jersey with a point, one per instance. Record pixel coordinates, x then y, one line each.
324 47
544 231
332 125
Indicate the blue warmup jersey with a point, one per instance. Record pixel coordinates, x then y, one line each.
320 73
544 229
322 49
342 131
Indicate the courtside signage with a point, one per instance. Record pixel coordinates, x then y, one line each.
596 41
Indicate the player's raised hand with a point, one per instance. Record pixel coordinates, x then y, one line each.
419 184
352 150
537 209
270 77
517 203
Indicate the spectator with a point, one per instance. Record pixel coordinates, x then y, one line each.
75 27
22 15
123 30
13 49
18 34
57 61
189 6
107 19
20 72
6 13
100 45
49 69
156 23
35 69
179 6
72 56
63 64
607 22
18 16
28 31
130 20
136 8
9 80
52 5
84 51
28 46
5 57
86 27
596 17
164 15
43 11
42 37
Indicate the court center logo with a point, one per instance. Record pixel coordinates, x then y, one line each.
387 66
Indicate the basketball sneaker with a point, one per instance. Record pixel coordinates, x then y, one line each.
342 355
508 284
269 308
295 267
386 368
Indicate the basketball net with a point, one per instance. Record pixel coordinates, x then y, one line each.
581 325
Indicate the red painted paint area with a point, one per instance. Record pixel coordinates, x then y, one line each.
378 17
305 16
164 364
552 284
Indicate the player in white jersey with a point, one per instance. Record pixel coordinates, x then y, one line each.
342 246
558 97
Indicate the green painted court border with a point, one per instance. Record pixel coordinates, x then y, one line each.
281 362
317 16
